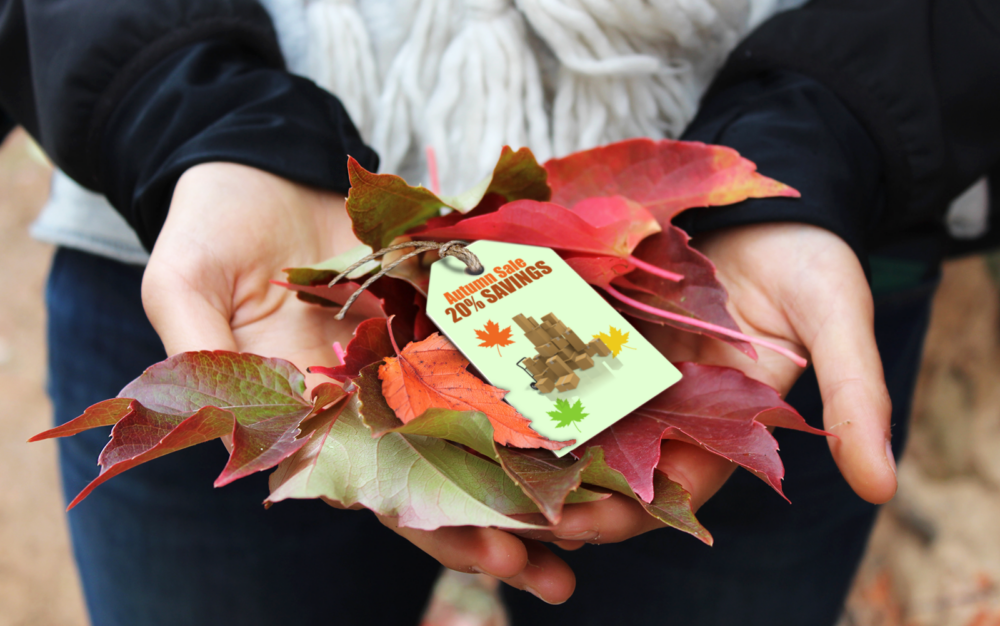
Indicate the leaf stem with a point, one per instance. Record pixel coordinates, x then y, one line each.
764 343
338 351
432 170
388 324
656 271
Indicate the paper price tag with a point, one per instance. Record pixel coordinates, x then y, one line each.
571 363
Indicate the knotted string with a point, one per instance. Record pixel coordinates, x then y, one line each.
456 249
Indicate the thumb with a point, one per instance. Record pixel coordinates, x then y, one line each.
856 404
185 317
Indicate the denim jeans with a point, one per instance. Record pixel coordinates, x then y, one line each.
159 546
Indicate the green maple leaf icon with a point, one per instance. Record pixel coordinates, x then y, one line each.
566 414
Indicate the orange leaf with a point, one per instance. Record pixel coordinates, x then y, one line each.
493 336
431 374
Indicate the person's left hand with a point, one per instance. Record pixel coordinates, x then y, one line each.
801 287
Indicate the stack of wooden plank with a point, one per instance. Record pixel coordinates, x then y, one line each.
560 352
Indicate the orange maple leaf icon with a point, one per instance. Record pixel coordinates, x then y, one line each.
493 336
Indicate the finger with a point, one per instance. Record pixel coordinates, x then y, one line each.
468 548
856 404
609 521
547 577
570 546
619 517
698 471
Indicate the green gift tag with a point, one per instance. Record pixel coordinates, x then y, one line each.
570 363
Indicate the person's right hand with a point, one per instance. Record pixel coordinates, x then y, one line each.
231 229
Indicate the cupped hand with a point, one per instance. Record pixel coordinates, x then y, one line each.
229 231
803 288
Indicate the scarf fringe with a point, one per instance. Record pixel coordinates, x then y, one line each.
466 79
341 58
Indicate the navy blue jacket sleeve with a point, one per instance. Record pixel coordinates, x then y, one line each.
125 95
919 78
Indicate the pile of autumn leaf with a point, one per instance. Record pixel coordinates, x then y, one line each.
384 435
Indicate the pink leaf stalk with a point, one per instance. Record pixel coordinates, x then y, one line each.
705 325
656 271
432 170
338 351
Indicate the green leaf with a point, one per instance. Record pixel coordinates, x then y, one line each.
565 414
425 482
517 176
324 272
383 207
469 428
548 480
375 412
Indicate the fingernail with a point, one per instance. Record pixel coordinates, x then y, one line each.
585 535
537 595
890 457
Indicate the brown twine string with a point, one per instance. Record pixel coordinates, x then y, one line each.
456 249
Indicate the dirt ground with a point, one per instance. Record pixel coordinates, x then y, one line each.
934 559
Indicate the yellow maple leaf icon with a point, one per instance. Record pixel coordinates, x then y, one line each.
615 340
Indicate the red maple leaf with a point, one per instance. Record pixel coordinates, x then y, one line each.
493 336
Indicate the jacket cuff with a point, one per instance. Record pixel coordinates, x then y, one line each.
798 132
6 125
216 100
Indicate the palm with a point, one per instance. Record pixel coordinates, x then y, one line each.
231 229
803 288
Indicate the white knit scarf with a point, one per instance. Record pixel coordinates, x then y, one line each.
466 77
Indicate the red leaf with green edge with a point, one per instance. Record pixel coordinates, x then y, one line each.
718 408
700 295
670 503
370 344
665 176
106 413
144 435
198 396
425 482
383 207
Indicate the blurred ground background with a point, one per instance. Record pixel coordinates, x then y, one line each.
934 559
